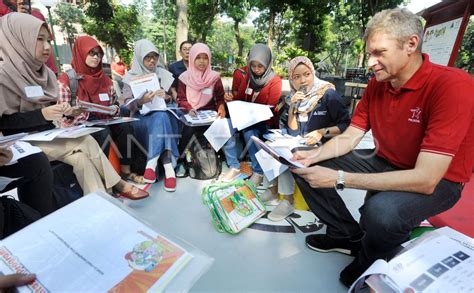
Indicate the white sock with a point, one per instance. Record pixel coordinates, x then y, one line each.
169 170
151 164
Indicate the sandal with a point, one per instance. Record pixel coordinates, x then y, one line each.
133 177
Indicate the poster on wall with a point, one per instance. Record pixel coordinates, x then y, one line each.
438 40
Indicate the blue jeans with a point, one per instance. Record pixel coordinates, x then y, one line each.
387 217
231 152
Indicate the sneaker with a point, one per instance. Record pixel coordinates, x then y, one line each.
269 199
324 243
256 179
181 171
149 176
170 184
283 210
352 272
231 175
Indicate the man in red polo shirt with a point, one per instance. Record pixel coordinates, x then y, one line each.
422 120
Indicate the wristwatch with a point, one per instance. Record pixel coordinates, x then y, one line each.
340 184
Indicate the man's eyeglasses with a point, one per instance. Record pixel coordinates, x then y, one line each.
151 57
97 53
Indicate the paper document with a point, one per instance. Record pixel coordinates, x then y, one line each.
22 149
47 135
4 181
157 104
271 167
92 107
142 84
111 121
6 141
281 155
78 131
245 114
204 117
439 264
219 133
166 78
92 245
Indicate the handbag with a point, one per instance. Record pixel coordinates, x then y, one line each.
233 206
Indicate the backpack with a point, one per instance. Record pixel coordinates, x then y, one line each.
73 84
203 162
15 215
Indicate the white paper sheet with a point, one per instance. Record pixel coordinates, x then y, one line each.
245 114
144 83
91 245
166 78
22 149
157 104
79 131
113 120
203 117
8 140
219 133
47 135
271 167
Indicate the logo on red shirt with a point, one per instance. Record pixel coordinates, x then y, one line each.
415 115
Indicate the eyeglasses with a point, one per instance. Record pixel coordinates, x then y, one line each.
151 57
97 53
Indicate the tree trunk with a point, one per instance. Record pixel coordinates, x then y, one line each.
271 24
181 24
240 43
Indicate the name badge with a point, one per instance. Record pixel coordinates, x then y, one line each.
34 91
303 118
207 91
104 97
248 91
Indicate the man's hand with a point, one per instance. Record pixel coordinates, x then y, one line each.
6 156
15 280
317 176
54 112
307 158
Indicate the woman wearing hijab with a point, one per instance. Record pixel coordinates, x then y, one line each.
25 47
262 86
94 86
313 110
157 130
199 88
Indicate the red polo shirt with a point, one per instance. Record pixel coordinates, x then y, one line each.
432 112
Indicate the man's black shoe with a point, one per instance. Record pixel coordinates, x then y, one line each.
324 243
353 271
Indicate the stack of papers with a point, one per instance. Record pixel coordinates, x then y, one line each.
113 120
92 107
68 132
245 114
203 117
6 141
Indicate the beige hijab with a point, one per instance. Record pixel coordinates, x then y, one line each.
19 68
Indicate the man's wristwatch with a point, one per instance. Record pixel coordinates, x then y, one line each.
340 184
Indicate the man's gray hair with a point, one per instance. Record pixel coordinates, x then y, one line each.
398 22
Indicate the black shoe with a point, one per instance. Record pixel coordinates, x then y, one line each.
353 271
324 243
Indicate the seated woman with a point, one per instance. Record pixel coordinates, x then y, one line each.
25 48
157 131
96 87
260 85
33 178
199 88
313 110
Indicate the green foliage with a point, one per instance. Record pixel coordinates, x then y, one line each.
288 53
465 58
67 16
113 24
201 16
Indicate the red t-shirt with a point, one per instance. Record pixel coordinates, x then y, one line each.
119 68
268 95
432 112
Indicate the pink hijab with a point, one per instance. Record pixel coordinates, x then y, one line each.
196 81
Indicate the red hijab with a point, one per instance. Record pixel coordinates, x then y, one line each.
94 80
